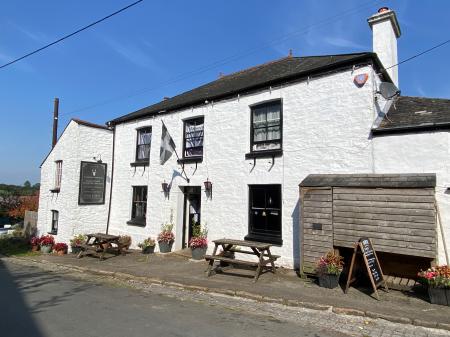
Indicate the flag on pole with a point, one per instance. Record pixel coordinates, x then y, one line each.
167 145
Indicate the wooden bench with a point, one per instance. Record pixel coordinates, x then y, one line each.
99 245
259 249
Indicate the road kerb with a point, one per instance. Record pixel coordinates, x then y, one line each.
244 294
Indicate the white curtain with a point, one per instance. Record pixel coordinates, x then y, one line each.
194 139
144 143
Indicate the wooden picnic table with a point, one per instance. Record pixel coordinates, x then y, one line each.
259 249
99 243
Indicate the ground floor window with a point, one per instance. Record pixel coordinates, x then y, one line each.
139 205
265 213
55 218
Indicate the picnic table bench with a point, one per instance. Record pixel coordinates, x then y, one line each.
99 243
259 249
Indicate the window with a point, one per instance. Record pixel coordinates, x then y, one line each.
139 206
143 143
266 126
55 217
58 176
193 137
265 213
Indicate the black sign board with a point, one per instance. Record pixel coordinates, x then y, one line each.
92 183
365 248
371 260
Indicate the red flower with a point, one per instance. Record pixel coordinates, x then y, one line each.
47 240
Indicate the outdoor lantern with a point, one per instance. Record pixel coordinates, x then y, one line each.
165 187
208 187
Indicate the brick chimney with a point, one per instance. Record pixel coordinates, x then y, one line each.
385 32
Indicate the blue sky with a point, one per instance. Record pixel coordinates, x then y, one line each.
136 58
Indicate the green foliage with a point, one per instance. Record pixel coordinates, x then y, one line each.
10 245
198 231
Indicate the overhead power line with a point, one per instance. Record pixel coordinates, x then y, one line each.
231 58
419 54
71 34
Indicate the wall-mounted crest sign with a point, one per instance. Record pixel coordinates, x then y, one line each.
92 183
360 79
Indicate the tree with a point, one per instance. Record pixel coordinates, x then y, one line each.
26 203
27 184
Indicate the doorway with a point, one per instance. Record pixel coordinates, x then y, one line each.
192 212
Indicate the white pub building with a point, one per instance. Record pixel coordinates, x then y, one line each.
250 148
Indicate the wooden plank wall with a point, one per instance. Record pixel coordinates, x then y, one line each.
317 207
401 221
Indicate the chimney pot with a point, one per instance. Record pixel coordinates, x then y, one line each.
383 9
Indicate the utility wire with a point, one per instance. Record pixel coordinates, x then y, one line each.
419 54
229 59
71 34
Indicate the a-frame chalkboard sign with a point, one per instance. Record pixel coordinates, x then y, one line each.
365 248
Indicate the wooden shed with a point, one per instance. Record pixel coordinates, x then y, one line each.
397 211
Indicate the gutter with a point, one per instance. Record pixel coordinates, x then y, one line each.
112 176
412 128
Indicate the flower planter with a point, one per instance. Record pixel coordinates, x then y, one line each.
60 252
437 296
165 247
34 248
148 250
329 281
75 249
199 253
46 249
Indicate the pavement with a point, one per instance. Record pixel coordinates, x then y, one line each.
42 304
45 300
284 287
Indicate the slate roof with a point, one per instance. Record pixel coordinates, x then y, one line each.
412 114
279 71
421 180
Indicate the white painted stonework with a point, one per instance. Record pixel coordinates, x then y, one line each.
77 143
326 127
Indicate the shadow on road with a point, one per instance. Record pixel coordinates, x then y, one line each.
16 317
16 288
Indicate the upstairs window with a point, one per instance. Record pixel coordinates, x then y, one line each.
139 206
266 126
193 137
143 144
58 175
55 218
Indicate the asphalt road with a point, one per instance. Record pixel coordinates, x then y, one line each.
38 303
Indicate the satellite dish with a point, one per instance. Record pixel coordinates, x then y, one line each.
388 90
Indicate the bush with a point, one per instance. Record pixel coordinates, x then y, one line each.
10 245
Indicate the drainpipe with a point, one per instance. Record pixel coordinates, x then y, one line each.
112 176
55 122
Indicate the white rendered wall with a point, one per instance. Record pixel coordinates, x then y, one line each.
77 143
326 127
420 153
385 46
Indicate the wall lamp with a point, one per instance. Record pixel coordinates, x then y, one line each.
208 188
166 189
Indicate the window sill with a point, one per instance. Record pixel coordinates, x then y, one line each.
139 223
264 239
55 190
140 163
264 154
188 160
53 233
